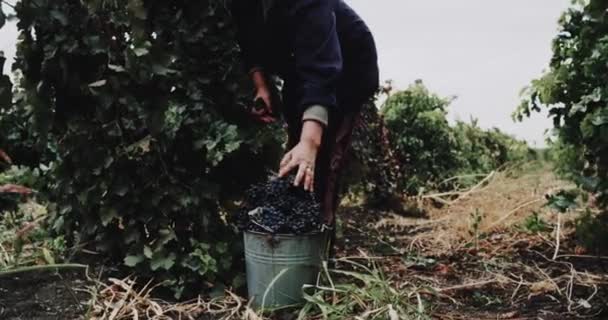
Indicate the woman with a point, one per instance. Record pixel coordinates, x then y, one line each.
326 56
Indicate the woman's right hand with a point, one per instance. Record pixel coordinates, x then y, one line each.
262 109
262 103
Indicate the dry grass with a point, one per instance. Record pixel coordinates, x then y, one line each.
359 290
479 260
121 300
503 200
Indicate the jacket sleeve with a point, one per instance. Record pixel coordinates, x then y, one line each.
317 53
248 31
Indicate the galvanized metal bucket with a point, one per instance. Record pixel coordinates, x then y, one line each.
279 265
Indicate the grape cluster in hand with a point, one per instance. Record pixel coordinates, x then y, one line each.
278 207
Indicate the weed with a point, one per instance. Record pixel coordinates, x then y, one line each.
25 239
534 224
363 293
474 228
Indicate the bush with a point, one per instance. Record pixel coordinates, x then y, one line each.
574 91
373 170
567 159
420 137
482 151
17 129
153 145
430 152
592 232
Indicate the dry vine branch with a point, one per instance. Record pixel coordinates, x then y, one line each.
461 194
557 235
506 216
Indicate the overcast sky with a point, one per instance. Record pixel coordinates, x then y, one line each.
483 51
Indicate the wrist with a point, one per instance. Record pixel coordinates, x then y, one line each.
259 80
312 133
262 91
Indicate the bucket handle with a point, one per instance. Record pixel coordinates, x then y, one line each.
271 284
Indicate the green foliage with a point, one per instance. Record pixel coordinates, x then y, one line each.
482 151
24 232
365 290
534 223
17 122
153 148
374 170
25 238
420 137
17 183
34 178
567 159
431 153
475 220
6 86
574 90
592 232
563 201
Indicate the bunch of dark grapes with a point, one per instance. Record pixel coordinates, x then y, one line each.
278 207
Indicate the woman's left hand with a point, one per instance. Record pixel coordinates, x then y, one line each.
303 156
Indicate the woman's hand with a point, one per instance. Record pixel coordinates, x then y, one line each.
304 155
262 109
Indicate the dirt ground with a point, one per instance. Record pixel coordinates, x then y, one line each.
468 258
43 296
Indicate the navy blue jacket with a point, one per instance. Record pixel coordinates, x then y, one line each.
322 49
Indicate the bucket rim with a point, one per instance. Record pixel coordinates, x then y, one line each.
286 235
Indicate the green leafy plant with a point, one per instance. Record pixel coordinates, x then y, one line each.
563 201
373 170
16 183
143 106
433 155
574 92
534 224
420 137
25 239
592 231
482 151
364 292
475 221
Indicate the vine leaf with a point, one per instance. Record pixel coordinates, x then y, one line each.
59 16
132 261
